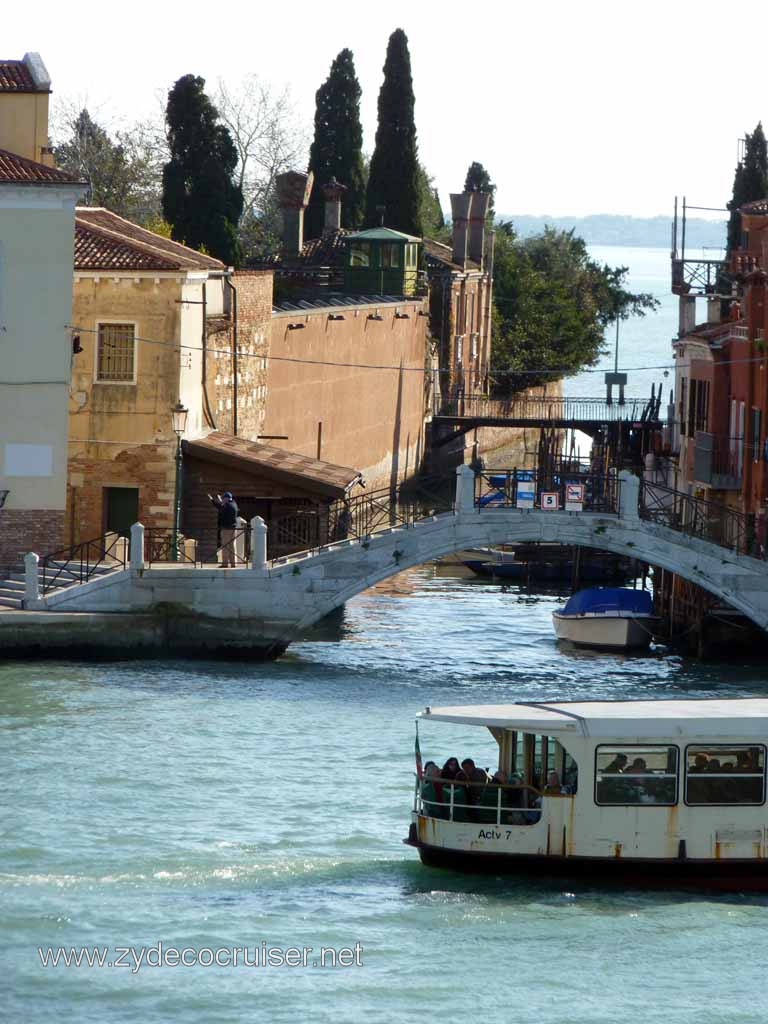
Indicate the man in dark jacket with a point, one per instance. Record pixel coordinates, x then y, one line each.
228 516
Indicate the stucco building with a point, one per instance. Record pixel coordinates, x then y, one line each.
37 205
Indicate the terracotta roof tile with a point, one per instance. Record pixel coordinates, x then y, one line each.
327 251
15 77
756 206
17 170
439 252
104 241
314 474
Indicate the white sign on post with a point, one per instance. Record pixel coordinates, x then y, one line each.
525 493
550 501
574 497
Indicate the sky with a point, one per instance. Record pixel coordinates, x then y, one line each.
574 108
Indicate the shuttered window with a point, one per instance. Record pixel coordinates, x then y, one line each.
116 356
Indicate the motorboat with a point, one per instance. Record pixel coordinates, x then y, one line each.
618 618
642 792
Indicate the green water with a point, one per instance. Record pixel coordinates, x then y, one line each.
216 805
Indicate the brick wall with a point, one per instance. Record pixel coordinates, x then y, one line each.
29 529
254 315
151 468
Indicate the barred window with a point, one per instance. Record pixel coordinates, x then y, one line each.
116 355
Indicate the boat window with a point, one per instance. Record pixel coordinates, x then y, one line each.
633 774
725 774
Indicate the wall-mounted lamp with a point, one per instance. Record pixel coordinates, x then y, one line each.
336 316
77 348
296 327
3 496
375 316
402 316
423 312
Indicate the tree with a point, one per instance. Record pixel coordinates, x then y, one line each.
552 303
117 170
337 148
430 210
750 182
393 182
201 202
479 180
269 139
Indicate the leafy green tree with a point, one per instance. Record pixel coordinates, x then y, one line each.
479 180
750 182
394 176
430 210
552 303
200 200
337 148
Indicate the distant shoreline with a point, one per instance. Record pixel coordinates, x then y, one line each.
615 229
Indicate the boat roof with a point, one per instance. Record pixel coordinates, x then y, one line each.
747 717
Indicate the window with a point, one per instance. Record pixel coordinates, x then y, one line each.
390 255
360 255
116 356
683 404
635 775
725 774
698 406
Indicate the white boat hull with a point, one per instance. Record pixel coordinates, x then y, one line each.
616 630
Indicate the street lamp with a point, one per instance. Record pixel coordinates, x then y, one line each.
179 415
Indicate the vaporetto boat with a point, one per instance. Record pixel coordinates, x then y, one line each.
667 792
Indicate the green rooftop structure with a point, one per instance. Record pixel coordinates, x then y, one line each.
381 261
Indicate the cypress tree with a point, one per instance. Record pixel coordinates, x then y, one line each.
479 180
750 182
200 200
393 181
337 148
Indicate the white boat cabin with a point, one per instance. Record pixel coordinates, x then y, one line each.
675 786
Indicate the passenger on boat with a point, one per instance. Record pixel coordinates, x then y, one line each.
700 763
490 804
451 768
618 764
472 774
432 799
553 787
639 767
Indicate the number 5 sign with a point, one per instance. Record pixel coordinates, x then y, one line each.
549 501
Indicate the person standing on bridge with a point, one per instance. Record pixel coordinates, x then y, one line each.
228 516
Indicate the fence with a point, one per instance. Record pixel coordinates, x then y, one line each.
80 562
697 517
536 409
559 488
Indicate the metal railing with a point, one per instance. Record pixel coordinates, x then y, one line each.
575 489
79 563
697 517
159 547
491 803
556 409
360 517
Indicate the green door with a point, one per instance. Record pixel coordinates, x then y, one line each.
121 509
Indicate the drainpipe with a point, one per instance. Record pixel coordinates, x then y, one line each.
234 354
206 399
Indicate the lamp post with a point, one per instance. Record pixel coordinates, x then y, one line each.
179 414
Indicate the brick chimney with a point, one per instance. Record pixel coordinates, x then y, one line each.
293 189
461 207
333 193
477 215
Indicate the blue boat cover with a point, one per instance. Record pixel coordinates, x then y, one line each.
609 599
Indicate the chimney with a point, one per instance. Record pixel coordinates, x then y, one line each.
478 212
333 193
461 206
293 189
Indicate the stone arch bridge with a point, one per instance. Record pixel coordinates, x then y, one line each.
257 610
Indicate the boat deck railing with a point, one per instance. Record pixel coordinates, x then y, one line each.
447 800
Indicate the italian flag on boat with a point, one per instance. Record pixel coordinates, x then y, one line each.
419 771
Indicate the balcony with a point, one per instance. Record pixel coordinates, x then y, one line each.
717 461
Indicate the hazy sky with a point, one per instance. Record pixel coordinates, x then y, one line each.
574 108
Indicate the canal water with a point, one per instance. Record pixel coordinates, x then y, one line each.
213 805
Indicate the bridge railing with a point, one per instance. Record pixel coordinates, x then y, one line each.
522 407
577 490
697 517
